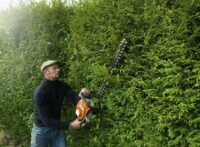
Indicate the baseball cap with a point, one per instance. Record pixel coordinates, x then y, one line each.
47 63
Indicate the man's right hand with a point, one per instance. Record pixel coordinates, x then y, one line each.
76 124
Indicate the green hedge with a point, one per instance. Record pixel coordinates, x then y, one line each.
153 98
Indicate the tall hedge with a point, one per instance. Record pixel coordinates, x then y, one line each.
153 97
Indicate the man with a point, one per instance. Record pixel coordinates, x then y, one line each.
48 129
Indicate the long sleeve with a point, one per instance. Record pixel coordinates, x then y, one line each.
70 94
43 110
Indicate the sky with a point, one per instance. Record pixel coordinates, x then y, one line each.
6 3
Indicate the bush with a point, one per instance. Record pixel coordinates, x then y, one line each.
153 98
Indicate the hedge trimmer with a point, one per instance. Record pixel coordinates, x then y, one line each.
84 107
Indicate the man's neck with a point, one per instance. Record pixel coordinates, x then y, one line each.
50 79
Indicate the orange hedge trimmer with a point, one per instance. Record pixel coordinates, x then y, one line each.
84 107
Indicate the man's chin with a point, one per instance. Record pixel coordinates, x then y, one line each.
55 77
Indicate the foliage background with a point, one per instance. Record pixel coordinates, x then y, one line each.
154 97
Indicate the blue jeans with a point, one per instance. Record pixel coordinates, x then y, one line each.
47 137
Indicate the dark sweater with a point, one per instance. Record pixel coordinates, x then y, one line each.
48 98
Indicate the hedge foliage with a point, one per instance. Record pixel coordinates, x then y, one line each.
154 97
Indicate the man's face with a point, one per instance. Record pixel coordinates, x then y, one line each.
52 72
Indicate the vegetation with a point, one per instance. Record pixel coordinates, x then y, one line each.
154 97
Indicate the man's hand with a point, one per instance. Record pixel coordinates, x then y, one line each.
76 124
84 92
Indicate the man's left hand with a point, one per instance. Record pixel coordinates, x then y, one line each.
84 92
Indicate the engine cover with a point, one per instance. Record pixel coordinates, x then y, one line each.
82 109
